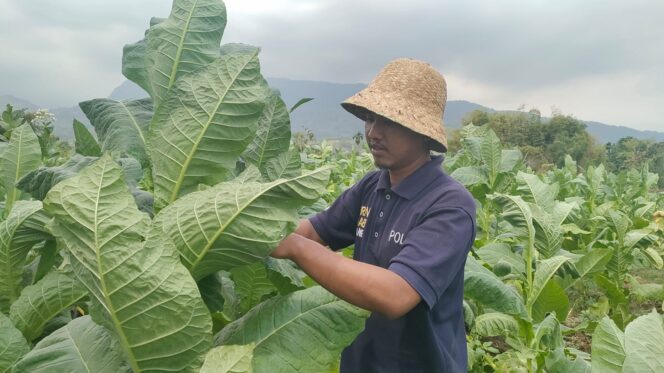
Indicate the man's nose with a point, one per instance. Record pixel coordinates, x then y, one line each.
374 130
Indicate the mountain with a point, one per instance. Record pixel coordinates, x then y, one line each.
609 133
323 115
17 103
327 119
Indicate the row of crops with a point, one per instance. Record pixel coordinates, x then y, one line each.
148 249
566 273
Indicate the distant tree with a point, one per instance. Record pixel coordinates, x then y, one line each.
476 117
542 141
630 152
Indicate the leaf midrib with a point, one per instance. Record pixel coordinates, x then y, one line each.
78 351
134 122
298 316
11 193
12 289
267 135
240 209
118 326
178 54
185 166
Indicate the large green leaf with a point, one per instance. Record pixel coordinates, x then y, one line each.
636 236
139 288
493 324
537 191
251 285
491 151
229 359
22 229
470 175
548 233
273 134
496 252
22 155
121 126
233 223
41 302
654 257
285 165
551 299
204 125
134 62
79 346
41 180
304 331
548 334
12 344
620 224
644 344
184 42
38 182
517 212
608 348
86 144
486 288
545 271
509 158
592 262
561 210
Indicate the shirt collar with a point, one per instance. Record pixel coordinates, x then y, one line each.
415 182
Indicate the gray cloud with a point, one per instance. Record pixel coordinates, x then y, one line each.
592 59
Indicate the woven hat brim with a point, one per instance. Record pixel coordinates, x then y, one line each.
361 111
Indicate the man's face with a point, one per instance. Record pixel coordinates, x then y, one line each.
392 145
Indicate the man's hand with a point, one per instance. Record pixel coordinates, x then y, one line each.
364 285
285 248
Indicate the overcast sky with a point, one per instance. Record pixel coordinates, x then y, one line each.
596 60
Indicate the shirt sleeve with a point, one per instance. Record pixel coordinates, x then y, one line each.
336 225
435 251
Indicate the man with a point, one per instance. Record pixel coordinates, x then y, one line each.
412 226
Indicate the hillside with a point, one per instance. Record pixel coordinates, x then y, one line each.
323 116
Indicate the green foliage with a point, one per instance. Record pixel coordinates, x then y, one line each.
540 236
321 323
213 135
43 301
638 349
86 144
134 276
21 230
630 153
236 223
213 145
79 346
22 155
230 359
541 141
14 346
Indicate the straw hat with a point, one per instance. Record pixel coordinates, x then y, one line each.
408 92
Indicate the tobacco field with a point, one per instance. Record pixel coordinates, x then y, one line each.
145 247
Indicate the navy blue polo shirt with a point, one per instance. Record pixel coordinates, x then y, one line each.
422 229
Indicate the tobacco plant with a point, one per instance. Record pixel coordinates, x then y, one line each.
164 222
